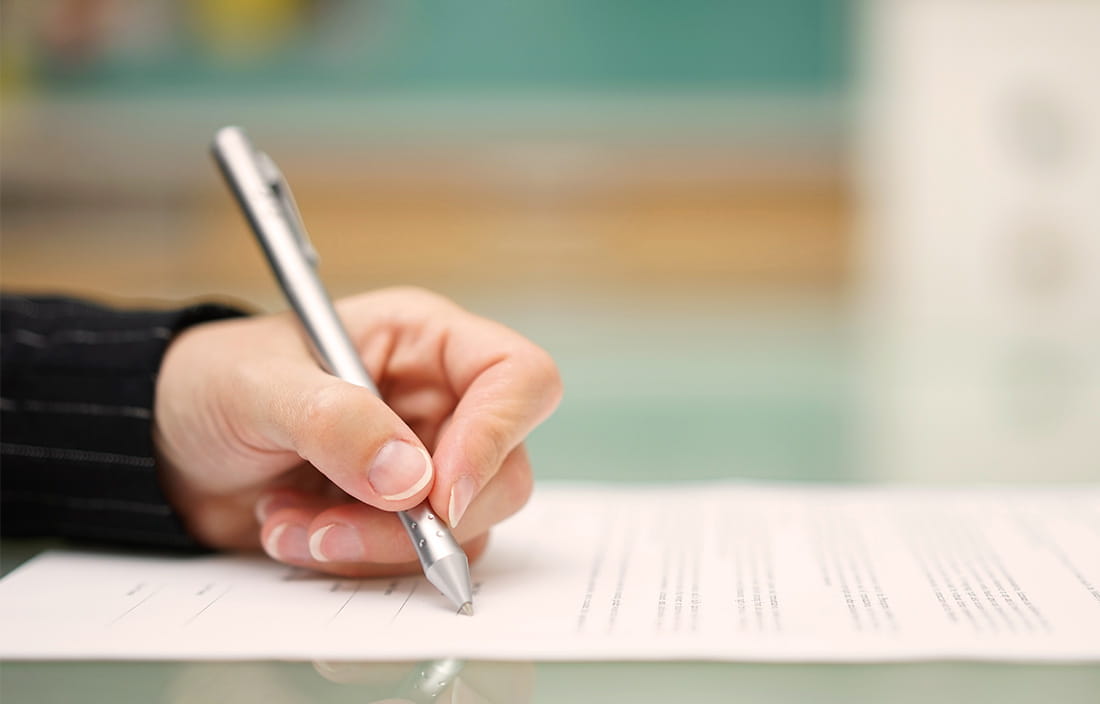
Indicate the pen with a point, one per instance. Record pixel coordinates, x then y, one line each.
265 198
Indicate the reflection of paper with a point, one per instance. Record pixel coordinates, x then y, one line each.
716 571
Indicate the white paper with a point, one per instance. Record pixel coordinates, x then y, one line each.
702 571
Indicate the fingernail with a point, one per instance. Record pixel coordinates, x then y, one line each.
462 493
288 542
336 542
400 470
261 508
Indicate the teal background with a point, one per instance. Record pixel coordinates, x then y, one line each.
357 48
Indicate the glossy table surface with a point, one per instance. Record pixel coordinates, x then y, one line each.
735 392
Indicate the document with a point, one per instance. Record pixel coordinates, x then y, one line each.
716 571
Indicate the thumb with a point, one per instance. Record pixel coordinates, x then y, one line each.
347 433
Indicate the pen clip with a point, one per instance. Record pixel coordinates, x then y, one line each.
281 189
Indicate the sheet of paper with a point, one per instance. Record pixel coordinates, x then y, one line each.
714 572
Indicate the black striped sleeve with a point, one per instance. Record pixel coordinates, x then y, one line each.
76 399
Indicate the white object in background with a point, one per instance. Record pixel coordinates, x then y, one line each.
980 175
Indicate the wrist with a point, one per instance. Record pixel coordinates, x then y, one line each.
186 425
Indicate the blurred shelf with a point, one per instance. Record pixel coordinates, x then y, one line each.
120 198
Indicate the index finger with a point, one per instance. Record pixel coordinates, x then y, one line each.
506 385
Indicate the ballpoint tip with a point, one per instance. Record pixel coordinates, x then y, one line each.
466 609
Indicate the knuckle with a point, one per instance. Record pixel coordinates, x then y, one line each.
482 458
320 415
546 377
418 295
497 439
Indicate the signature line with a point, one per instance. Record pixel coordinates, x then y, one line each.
398 612
346 601
127 611
212 602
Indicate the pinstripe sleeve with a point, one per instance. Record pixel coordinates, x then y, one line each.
76 400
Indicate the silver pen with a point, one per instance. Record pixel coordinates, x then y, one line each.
265 198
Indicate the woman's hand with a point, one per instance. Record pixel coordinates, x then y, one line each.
258 445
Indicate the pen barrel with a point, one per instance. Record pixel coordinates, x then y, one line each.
293 261
330 341
286 252
303 288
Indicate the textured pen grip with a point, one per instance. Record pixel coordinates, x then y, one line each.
429 534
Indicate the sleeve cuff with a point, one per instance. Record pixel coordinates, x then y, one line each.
77 397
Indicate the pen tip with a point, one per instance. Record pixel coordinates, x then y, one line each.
466 609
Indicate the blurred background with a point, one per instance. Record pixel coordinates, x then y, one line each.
779 239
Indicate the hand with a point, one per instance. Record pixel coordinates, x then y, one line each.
257 445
